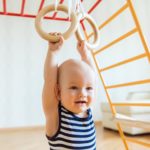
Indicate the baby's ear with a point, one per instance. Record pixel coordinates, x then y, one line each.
57 91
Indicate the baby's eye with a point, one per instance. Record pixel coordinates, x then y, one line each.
73 87
89 88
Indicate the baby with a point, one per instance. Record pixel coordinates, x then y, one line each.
68 93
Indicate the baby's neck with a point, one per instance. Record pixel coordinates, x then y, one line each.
82 114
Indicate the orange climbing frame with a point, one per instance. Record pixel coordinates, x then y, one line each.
146 54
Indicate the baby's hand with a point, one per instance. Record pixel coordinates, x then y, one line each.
82 49
55 46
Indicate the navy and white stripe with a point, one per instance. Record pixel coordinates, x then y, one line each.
74 133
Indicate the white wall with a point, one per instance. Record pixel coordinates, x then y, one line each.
22 54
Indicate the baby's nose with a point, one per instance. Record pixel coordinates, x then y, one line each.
83 93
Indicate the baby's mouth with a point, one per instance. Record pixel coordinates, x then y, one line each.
80 102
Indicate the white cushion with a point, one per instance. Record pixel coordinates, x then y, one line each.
108 123
138 95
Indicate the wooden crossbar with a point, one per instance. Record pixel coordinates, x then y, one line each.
138 142
132 104
124 62
128 84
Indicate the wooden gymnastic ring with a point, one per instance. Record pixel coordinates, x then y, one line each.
55 38
95 29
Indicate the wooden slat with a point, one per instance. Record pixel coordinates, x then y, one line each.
116 40
111 18
138 142
129 84
4 7
41 5
22 6
124 62
141 104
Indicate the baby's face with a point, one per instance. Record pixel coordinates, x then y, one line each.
77 89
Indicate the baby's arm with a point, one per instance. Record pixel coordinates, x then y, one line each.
49 96
85 53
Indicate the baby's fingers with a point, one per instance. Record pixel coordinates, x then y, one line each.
81 45
61 39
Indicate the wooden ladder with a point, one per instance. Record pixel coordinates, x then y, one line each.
117 117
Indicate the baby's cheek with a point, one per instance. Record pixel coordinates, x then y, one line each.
73 92
91 97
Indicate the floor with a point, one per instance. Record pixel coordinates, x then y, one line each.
34 139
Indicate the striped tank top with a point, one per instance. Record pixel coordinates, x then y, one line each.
74 133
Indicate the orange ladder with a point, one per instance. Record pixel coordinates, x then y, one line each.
146 54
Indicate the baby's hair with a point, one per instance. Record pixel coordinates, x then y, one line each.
65 66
